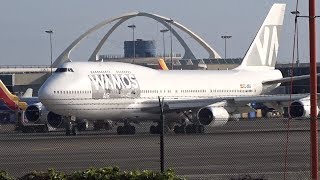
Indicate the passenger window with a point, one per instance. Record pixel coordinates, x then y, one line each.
59 70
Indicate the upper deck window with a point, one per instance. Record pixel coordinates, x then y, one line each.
64 70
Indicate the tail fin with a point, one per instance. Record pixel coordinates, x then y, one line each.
162 65
264 49
28 93
12 101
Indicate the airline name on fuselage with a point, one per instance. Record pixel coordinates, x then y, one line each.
113 81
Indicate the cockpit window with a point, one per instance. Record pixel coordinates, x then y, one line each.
64 70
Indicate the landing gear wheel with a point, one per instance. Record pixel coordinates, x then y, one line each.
179 129
127 129
120 130
193 128
74 130
153 129
71 129
200 129
68 128
156 129
130 129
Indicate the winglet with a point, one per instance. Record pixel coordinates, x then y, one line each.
162 64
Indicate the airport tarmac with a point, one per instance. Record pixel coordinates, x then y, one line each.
244 147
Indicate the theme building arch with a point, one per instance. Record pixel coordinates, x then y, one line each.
64 56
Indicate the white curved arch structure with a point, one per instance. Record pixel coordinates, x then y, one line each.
64 56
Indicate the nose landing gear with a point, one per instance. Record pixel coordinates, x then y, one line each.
71 126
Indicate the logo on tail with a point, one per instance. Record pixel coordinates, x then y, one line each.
263 51
270 42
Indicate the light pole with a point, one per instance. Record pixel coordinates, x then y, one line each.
50 32
170 22
225 37
134 45
164 46
296 13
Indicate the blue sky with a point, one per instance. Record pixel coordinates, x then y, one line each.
24 42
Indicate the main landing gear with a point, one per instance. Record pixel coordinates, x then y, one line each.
155 129
189 129
126 129
71 128
180 129
188 124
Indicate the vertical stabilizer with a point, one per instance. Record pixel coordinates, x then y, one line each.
162 65
28 93
10 100
263 51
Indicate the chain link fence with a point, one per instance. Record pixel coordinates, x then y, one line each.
256 148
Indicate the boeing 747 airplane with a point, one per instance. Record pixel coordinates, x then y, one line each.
129 93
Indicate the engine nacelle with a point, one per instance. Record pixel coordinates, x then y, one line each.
36 112
301 108
213 116
54 120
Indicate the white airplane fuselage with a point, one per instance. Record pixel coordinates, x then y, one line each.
117 91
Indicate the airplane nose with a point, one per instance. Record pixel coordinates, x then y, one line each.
45 93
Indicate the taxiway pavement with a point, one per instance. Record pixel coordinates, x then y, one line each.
257 148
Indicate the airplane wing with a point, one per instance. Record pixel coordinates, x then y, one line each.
171 105
287 79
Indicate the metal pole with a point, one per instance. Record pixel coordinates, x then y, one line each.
298 61
297 13
50 32
225 48
170 23
51 53
161 135
171 47
164 45
133 41
313 90
134 45
225 45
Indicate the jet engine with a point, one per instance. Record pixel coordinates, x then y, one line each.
36 112
54 120
301 108
39 114
213 116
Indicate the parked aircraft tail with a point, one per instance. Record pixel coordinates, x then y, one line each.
162 64
264 49
28 93
12 101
